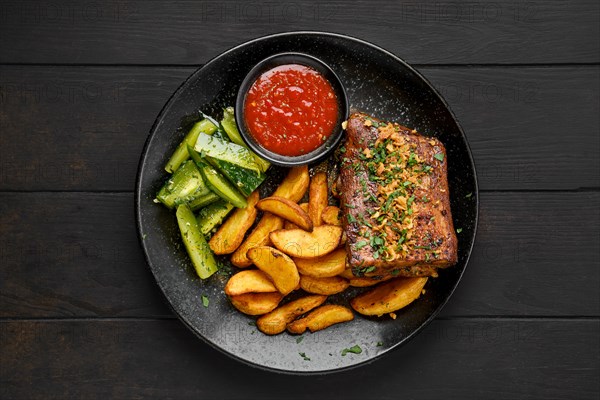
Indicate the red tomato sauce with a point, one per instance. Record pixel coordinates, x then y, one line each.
291 110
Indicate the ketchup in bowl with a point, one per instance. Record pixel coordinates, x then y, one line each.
291 110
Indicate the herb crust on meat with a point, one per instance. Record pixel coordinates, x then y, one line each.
395 200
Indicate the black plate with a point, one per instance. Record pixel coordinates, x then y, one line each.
378 83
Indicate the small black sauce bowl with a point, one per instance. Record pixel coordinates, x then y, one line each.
292 58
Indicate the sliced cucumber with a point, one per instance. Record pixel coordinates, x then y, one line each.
245 180
185 185
217 182
181 154
203 201
226 151
200 253
231 129
221 186
213 215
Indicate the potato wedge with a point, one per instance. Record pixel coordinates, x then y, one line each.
331 216
343 239
325 286
276 321
258 237
231 234
287 210
331 264
256 303
346 273
289 225
298 243
278 267
249 281
317 197
389 296
365 281
321 318
294 185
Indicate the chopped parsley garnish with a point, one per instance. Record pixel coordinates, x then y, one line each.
427 168
412 159
359 245
468 196
354 349
379 344
459 230
299 339
439 156
304 356
205 301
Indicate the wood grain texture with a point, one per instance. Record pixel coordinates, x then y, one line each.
74 254
189 32
464 358
87 126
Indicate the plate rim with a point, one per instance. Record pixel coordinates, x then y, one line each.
138 194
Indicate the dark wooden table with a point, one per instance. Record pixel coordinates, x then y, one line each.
81 84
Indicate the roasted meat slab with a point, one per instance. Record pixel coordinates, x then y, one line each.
395 200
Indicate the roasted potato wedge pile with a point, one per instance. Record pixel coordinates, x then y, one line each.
299 246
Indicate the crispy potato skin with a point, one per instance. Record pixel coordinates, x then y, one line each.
287 210
347 273
249 281
258 237
276 321
331 216
324 286
365 282
231 234
256 303
277 266
389 297
294 185
289 225
331 264
317 197
321 318
322 240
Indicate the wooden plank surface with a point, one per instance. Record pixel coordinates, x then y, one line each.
190 32
76 254
461 358
94 122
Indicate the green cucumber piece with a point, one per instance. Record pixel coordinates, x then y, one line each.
203 201
245 180
213 215
222 187
185 185
197 248
217 182
226 151
181 154
231 129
